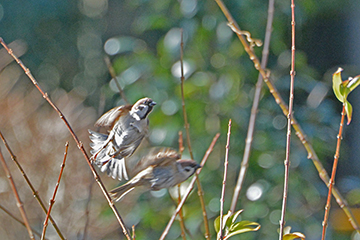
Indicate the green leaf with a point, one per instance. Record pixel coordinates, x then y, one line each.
348 110
337 85
217 224
353 83
294 235
226 221
242 227
235 216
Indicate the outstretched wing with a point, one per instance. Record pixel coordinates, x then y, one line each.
157 156
109 118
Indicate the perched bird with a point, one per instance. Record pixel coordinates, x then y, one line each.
128 126
161 168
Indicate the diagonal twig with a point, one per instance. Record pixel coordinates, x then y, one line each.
190 187
78 142
18 220
35 193
254 108
289 116
226 163
200 190
17 197
298 130
52 200
113 75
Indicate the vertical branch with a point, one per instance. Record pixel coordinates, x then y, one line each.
17 197
34 192
200 191
254 108
78 142
113 75
133 232
226 163
190 187
182 222
289 117
52 200
332 179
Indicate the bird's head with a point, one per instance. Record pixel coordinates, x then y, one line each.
142 108
187 168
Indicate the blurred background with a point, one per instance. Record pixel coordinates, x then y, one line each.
64 43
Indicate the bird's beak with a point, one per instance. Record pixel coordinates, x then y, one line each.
152 104
197 166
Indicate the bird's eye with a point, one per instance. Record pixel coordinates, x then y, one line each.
141 108
187 169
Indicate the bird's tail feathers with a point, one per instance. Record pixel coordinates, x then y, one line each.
118 193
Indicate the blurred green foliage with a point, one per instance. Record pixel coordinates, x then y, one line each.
68 40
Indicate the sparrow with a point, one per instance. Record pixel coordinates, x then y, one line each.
128 126
160 168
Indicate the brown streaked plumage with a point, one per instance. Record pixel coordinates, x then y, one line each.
160 168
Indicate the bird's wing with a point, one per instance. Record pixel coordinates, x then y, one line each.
109 118
129 145
158 157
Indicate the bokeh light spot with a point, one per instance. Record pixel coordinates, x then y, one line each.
254 192
169 107
112 46
176 69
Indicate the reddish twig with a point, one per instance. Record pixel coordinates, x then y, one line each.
254 109
298 130
52 200
332 179
17 197
34 192
78 142
181 143
18 220
133 232
113 75
200 191
226 163
182 222
288 136
190 187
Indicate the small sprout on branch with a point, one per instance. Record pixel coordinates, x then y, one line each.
232 228
294 235
342 90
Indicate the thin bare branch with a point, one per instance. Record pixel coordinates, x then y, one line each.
17 197
113 75
298 130
133 232
182 222
226 163
18 220
181 143
78 142
332 179
200 191
254 109
190 187
52 200
34 192
288 136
